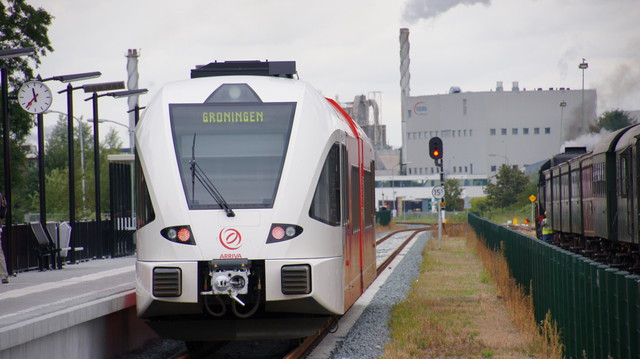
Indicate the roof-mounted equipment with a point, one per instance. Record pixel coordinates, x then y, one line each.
253 68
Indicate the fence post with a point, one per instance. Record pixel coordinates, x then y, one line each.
631 287
612 309
623 313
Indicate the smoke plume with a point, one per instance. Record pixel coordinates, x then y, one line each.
588 140
425 9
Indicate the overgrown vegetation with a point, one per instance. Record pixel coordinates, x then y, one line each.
456 308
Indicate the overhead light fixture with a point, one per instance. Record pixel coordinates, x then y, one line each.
75 77
10 53
104 86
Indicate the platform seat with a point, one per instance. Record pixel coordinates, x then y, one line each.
46 248
64 237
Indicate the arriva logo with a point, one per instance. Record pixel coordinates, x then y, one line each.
230 238
420 108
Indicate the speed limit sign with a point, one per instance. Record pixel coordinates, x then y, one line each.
438 192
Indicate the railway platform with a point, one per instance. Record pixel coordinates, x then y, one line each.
83 310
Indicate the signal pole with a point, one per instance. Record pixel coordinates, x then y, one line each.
436 153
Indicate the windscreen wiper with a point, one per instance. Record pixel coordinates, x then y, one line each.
201 176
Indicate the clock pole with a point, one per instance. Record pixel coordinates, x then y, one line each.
43 208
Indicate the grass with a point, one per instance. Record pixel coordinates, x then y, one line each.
464 304
502 215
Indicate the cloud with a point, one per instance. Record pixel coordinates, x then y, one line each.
425 9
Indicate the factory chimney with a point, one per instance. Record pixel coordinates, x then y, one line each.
405 79
405 76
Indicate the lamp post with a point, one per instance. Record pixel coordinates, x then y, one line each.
4 93
40 117
563 104
68 79
96 151
583 66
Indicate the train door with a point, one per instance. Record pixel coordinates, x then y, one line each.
587 199
635 174
625 194
353 278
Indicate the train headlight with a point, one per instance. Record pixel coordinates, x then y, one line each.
179 234
290 231
283 232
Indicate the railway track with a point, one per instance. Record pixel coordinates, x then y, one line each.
398 241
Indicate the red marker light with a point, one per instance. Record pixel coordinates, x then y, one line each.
184 235
277 233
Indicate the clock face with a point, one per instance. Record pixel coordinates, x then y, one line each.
35 97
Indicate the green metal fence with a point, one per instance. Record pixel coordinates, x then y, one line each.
596 307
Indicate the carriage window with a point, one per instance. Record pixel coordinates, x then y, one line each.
624 176
325 206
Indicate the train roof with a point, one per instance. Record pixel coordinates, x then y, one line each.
608 143
253 68
629 137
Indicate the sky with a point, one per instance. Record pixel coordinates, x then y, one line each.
349 48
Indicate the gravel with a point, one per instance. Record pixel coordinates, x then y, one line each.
368 336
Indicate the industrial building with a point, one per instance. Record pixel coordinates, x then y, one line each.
481 131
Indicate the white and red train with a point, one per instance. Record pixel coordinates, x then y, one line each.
255 206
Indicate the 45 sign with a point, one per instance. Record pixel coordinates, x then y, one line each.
438 192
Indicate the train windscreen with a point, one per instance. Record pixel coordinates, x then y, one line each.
239 147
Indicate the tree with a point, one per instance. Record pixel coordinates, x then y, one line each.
612 120
21 26
452 193
57 164
508 185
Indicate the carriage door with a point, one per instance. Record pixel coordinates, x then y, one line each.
635 189
626 194
352 280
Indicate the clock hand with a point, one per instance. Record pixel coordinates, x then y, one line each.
34 99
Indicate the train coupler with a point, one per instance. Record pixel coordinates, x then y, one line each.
229 277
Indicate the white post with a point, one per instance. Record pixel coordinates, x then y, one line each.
439 225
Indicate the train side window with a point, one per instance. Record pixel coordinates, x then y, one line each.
624 175
325 206
144 207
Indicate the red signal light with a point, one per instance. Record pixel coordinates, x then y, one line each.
435 148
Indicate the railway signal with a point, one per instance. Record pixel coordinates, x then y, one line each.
436 152
435 148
